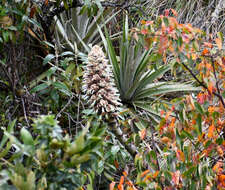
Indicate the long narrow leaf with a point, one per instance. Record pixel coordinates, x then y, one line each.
149 78
112 54
167 88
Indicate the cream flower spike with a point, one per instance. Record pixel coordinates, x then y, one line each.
98 83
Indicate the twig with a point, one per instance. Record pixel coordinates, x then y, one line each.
24 111
203 84
67 104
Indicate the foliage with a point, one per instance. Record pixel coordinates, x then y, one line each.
189 147
81 31
13 18
52 159
136 77
169 131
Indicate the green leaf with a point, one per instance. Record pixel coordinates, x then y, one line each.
9 130
55 96
190 172
67 53
163 88
220 35
26 137
115 149
48 58
62 87
166 21
76 146
185 133
199 123
39 87
179 140
6 150
179 41
111 52
199 108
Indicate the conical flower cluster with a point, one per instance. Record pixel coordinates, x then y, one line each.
98 83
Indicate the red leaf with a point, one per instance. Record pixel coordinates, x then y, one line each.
32 12
163 42
176 177
201 98
144 31
167 11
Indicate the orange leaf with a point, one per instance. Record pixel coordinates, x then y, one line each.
210 87
155 174
210 131
120 187
129 183
116 164
144 173
221 178
174 12
121 180
125 173
143 133
219 150
165 140
180 155
173 22
211 109
219 43
143 22
112 185
205 51
32 33
172 122
218 167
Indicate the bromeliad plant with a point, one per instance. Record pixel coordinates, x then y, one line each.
80 30
137 83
